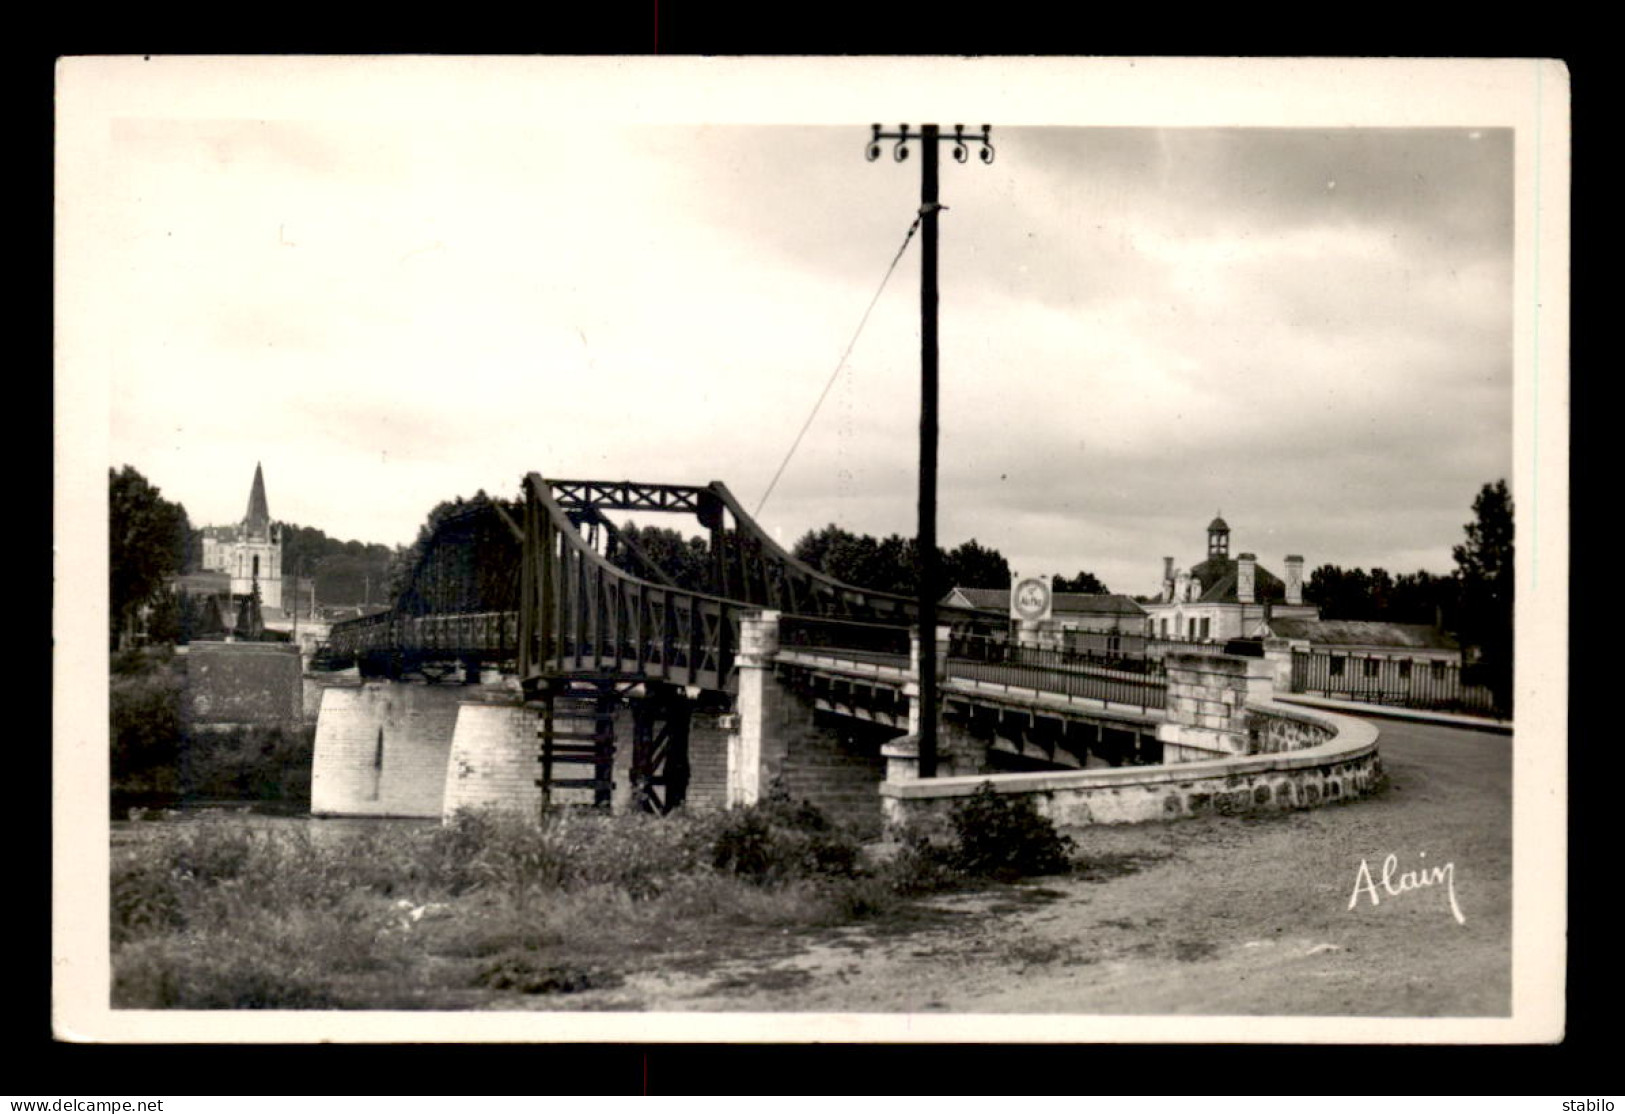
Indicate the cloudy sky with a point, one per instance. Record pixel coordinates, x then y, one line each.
1308 328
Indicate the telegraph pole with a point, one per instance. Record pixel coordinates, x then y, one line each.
929 136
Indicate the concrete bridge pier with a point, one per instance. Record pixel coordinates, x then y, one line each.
406 749
381 749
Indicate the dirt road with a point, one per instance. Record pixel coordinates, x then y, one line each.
1220 915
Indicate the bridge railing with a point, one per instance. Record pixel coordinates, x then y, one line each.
542 595
1063 672
878 643
483 635
579 613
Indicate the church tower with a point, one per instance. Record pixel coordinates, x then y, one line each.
256 558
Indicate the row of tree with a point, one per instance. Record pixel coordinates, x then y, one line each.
346 573
1378 595
151 540
892 564
1475 601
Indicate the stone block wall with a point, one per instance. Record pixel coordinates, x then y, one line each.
1282 730
381 750
492 760
781 738
836 764
828 760
1344 763
708 763
1207 704
244 683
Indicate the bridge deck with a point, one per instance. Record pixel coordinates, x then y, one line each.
1076 688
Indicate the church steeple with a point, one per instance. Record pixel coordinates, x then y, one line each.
257 522
1218 539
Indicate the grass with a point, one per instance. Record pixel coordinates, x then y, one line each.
214 915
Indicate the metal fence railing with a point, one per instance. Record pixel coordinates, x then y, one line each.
1060 671
1122 649
877 643
1440 686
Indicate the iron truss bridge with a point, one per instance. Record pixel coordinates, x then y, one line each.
541 587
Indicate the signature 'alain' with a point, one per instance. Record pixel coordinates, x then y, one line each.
1420 878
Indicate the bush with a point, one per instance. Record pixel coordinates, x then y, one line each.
1004 836
157 757
146 724
775 841
636 853
249 764
925 859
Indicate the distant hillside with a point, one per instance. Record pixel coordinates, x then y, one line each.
347 573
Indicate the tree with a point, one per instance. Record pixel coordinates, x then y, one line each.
344 571
893 564
1341 593
1419 597
852 558
1085 582
687 561
975 566
250 623
148 539
1484 567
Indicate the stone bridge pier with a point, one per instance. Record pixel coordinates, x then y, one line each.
398 748
406 749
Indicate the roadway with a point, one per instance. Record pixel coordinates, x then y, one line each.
1208 916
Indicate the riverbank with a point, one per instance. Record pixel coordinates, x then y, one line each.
1216 915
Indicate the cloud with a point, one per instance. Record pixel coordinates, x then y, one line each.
1310 329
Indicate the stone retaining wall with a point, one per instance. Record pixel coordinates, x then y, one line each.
1343 763
230 684
1282 729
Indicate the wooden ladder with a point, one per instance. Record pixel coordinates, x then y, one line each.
577 729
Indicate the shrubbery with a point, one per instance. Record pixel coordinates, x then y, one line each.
778 840
213 914
1004 836
146 723
270 763
157 757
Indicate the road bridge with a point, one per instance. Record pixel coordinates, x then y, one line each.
595 641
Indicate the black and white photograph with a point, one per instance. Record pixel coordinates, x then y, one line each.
805 549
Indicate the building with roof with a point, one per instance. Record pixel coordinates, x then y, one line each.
1386 641
1225 597
1070 611
250 552
1063 620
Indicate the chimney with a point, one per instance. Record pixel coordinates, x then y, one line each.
1246 565
1167 580
1294 580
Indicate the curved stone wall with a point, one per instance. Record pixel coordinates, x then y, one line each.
1309 758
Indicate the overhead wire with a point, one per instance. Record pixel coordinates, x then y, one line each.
896 259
